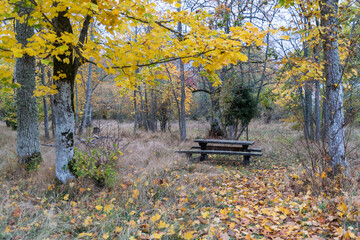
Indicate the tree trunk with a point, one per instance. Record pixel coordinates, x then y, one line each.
334 86
305 113
308 107
27 147
317 111
308 122
46 109
87 102
147 119
143 113
88 122
324 122
182 99
136 113
152 111
53 120
155 113
317 98
63 103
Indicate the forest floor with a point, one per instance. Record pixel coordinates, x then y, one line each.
158 194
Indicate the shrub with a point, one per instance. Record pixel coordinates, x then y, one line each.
8 113
240 106
96 163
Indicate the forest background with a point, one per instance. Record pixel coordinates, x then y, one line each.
81 81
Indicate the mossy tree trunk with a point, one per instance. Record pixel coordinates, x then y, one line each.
27 146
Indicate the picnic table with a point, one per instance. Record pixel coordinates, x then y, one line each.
223 147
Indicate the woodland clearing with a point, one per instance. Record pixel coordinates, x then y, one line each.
157 194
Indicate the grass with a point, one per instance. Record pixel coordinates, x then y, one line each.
157 194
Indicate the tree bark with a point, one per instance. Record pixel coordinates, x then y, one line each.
46 108
63 102
87 102
136 113
77 106
53 120
143 111
27 147
317 99
334 86
152 111
182 123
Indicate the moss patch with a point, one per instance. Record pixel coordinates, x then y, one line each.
31 162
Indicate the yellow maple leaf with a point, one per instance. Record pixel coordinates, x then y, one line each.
157 235
323 175
162 224
66 197
84 234
155 218
224 212
342 208
108 207
189 235
118 229
87 221
135 194
105 236
171 231
132 223
99 207
205 214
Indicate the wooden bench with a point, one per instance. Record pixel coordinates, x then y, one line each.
221 147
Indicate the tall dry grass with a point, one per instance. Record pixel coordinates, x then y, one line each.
148 165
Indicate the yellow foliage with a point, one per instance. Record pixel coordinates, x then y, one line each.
98 207
155 218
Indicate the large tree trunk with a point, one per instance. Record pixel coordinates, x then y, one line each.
46 108
334 86
63 103
27 147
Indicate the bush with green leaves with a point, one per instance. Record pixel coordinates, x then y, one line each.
8 111
97 163
240 106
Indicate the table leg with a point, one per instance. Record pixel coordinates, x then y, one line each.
246 158
203 147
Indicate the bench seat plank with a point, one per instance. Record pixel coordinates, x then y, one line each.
231 142
220 152
225 148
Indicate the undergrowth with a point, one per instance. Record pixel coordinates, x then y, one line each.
159 195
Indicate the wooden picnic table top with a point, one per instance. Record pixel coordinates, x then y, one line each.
221 152
219 141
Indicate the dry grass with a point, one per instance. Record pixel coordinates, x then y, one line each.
149 168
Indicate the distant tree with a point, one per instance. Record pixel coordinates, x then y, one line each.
240 107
